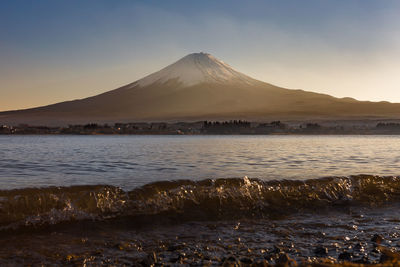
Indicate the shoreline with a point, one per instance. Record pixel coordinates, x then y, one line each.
233 127
228 222
202 243
211 134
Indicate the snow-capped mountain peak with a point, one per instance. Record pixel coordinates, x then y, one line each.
194 69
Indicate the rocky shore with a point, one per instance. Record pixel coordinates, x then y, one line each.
238 254
351 239
325 222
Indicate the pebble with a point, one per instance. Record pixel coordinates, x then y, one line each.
284 259
345 256
377 239
363 260
358 247
149 260
246 260
277 249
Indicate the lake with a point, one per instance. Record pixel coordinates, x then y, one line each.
132 161
126 200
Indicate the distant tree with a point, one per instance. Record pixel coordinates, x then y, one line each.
312 125
388 125
91 126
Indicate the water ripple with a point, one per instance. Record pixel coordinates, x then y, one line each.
131 161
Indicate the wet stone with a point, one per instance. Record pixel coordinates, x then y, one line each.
377 239
277 249
269 258
358 247
149 259
175 247
376 250
230 259
285 260
246 260
178 257
261 263
321 251
362 260
345 256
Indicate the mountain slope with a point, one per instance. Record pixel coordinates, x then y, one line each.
199 87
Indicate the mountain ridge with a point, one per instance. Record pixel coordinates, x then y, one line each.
199 87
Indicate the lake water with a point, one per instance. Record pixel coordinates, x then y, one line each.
132 161
116 202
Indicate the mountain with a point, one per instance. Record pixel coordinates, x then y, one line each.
199 87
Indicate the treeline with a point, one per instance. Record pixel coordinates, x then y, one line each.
388 125
243 127
207 127
231 123
127 128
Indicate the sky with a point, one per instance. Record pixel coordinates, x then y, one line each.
53 50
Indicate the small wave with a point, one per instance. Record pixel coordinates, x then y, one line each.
192 200
38 206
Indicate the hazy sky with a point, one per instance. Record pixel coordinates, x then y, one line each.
53 50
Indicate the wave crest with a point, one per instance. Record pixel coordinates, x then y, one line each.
36 206
191 200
